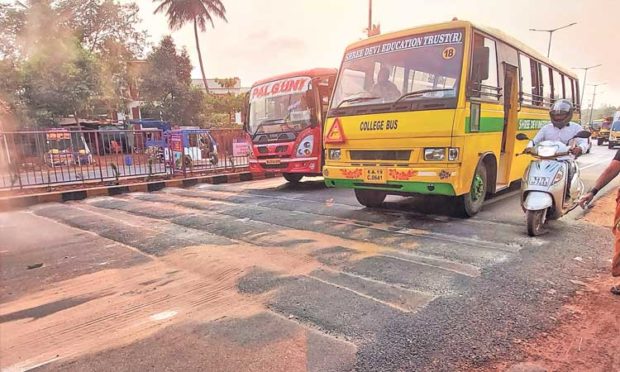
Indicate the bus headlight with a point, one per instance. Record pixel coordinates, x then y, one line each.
305 147
434 154
334 154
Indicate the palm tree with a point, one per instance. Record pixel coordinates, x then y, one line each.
181 12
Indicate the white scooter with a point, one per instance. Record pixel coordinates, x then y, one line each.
544 186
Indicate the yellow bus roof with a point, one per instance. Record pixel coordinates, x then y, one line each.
500 35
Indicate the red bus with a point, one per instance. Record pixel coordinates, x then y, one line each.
285 122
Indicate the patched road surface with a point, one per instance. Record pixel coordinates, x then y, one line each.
270 276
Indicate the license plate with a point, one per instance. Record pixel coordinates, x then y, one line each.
374 176
272 161
539 181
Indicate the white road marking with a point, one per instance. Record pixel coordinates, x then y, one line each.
163 315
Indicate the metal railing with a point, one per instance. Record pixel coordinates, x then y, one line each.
62 157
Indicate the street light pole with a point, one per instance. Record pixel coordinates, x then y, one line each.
369 17
551 31
585 76
593 97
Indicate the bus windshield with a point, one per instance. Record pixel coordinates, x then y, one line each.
279 106
616 126
416 66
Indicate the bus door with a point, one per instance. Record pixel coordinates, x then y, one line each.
511 108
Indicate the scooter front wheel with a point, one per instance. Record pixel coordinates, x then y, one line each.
536 222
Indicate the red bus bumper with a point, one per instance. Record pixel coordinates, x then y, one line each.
309 165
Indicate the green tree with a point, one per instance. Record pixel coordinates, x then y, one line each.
62 86
224 106
198 12
166 85
108 29
52 30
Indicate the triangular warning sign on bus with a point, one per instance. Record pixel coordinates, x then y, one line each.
335 134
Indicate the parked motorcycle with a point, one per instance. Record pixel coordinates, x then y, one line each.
546 192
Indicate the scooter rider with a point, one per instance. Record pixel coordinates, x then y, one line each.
562 129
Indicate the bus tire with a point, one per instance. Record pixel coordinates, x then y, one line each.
292 177
471 203
370 198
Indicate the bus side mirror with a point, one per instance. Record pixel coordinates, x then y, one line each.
480 64
522 137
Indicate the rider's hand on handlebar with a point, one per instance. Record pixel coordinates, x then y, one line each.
576 150
528 150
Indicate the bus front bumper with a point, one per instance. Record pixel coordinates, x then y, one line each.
308 165
397 180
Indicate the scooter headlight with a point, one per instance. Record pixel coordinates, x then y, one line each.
547 151
558 177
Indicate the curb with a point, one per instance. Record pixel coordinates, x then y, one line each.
23 201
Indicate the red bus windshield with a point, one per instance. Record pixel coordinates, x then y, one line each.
280 106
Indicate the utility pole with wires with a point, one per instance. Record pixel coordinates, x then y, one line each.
593 97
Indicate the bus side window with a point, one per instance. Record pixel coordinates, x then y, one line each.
568 88
558 92
546 85
527 87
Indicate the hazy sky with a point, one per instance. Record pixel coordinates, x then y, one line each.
269 37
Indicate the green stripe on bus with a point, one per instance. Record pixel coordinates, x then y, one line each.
426 188
497 124
487 124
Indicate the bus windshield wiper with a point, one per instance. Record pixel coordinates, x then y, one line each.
356 99
419 92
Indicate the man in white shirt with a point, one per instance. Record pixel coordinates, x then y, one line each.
563 130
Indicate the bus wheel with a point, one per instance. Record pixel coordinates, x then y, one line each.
292 177
471 203
370 198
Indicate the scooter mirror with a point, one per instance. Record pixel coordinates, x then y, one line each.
583 134
522 137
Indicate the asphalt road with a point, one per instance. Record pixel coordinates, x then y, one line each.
266 275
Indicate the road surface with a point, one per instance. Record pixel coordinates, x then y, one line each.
266 275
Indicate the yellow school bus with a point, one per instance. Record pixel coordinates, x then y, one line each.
434 110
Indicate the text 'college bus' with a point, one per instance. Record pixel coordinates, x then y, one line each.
435 110
285 122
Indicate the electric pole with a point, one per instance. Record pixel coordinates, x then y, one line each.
593 97
585 76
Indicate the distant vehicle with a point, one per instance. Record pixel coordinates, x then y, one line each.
285 121
66 148
192 148
614 134
603 133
